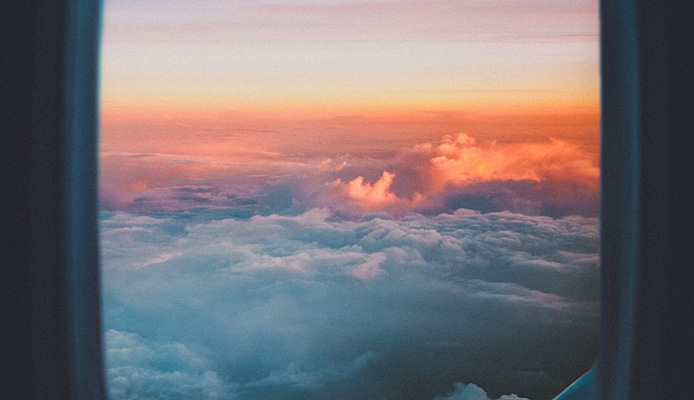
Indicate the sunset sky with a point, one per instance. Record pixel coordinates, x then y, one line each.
334 57
349 200
206 90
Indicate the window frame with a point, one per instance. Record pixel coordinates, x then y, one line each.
50 287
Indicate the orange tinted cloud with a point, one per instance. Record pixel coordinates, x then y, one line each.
458 162
376 196
393 163
462 161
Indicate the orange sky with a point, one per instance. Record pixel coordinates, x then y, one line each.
210 90
330 57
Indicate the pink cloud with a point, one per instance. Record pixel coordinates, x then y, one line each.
375 196
462 162
430 170
556 175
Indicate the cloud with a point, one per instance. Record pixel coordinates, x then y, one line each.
544 178
163 258
294 378
140 369
328 164
551 177
473 392
460 160
370 268
317 305
376 196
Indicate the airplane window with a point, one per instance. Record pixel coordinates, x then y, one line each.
339 199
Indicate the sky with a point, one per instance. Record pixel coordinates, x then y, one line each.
349 199
330 57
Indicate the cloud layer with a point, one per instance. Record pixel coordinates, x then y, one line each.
319 305
473 392
551 177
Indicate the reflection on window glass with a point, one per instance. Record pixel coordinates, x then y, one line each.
342 199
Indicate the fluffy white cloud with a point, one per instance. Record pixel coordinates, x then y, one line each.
315 305
473 392
140 369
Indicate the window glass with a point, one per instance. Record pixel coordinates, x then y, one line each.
340 199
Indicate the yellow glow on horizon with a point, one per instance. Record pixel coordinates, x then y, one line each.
213 89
